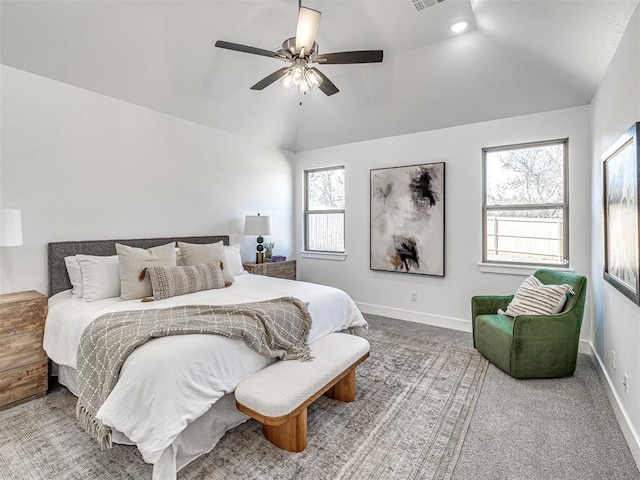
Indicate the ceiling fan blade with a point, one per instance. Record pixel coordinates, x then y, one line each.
361 56
327 87
307 29
266 81
246 49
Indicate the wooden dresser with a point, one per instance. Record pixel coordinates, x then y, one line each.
23 362
285 269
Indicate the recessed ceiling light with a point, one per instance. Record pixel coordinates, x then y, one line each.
459 27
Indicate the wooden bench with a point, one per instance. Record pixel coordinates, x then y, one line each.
278 396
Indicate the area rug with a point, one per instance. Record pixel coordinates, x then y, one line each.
415 399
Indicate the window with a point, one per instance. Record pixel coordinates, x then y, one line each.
324 210
525 210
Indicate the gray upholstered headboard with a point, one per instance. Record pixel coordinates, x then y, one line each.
58 276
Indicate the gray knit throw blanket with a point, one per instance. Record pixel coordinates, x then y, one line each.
275 328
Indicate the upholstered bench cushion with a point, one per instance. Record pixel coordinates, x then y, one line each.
285 385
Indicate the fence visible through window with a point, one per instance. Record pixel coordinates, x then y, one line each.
324 209
326 232
518 239
525 203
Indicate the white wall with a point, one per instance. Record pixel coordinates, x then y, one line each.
444 301
82 166
615 107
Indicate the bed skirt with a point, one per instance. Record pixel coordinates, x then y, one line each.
198 438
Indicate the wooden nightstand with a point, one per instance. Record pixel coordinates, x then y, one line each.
286 269
23 362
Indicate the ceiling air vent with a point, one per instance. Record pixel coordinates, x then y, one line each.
423 4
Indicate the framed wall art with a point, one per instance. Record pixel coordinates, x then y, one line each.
621 165
407 219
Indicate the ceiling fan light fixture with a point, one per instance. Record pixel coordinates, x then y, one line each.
304 87
301 76
313 79
287 80
297 72
307 29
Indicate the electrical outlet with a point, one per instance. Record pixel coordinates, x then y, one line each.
625 382
613 359
414 296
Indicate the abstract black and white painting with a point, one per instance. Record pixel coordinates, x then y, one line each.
407 219
621 163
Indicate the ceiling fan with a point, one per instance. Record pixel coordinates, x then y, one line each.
300 51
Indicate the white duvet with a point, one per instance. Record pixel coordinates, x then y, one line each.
169 382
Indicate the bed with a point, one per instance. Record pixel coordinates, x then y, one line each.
174 396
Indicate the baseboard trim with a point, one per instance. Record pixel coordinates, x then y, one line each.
436 320
418 317
585 347
629 432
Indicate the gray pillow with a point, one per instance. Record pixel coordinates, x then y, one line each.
134 260
195 254
171 281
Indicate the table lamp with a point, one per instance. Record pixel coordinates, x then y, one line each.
258 225
10 227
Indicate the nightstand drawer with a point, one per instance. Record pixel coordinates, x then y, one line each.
23 383
19 317
23 361
286 269
22 349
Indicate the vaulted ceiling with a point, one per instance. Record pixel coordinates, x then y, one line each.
518 57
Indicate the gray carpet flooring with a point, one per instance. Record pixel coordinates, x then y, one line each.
559 429
415 399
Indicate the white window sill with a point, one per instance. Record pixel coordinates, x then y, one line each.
324 255
523 270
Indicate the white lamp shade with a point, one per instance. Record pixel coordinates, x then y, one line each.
257 225
10 227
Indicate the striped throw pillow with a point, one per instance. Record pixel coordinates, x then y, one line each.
535 298
172 281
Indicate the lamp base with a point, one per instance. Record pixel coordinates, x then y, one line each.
259 257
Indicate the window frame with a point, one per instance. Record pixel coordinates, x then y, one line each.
308 212
547 206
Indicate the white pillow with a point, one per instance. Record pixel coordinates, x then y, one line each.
100 278
134 260
75 276
535 298
234 260
195 254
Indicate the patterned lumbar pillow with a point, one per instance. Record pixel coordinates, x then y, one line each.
535 298
172 281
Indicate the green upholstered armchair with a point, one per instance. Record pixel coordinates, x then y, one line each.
531 346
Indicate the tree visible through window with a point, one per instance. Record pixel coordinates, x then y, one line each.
525 204
324 210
